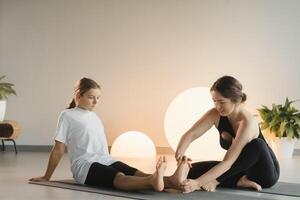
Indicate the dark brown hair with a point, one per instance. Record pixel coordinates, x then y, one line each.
81 87
230 88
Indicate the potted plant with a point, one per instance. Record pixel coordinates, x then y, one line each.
5 90
283 123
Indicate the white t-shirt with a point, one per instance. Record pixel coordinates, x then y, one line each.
83 134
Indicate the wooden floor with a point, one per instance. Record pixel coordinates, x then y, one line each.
15 170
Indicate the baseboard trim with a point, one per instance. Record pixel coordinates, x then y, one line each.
47 148
28 148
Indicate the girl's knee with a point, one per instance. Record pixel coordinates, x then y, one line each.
118 180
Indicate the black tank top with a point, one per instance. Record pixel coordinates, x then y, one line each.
225 126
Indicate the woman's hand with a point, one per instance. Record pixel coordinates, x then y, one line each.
211 186
185 159
190 185
39 179
179 155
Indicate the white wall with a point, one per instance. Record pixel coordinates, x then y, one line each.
143 53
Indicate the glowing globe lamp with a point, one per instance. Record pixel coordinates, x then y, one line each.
183 112
133 144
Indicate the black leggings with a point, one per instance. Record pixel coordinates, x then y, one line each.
103 176
257 161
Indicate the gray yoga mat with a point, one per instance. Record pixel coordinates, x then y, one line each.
283 188
147 194
280 188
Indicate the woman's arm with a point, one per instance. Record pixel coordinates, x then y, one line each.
198 129
54 158
243 136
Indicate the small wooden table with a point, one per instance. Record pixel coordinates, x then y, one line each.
9 131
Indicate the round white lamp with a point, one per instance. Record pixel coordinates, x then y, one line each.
186 109
133 144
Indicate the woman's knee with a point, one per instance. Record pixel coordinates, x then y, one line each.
257 144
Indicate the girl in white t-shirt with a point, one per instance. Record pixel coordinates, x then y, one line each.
81 131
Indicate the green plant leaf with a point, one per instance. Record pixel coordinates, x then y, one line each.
297 120
281 120
2 77
290 133
6 89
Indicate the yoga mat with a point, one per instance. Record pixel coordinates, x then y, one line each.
284 188
147 194
280 188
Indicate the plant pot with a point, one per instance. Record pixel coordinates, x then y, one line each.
283 147
2 109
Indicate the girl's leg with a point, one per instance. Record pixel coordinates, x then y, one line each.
173 181
155 181
141 174
107 176
128 170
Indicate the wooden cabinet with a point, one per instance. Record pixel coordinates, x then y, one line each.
9 131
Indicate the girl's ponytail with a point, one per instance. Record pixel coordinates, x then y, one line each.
72 104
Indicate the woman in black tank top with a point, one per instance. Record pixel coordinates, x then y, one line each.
249 162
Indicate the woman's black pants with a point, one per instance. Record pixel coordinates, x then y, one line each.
257 161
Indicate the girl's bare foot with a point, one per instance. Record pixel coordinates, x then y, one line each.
157 179
211 186
181 173
246 183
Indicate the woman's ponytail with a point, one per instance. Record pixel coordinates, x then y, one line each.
244 97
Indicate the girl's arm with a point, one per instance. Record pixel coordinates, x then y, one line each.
198 129
54 158
243 136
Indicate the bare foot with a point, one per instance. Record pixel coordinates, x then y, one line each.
181 173
246 183
157 179
190 185
211 186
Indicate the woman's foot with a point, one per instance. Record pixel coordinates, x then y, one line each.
244 182
211 186
181 173
190 185
157 179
